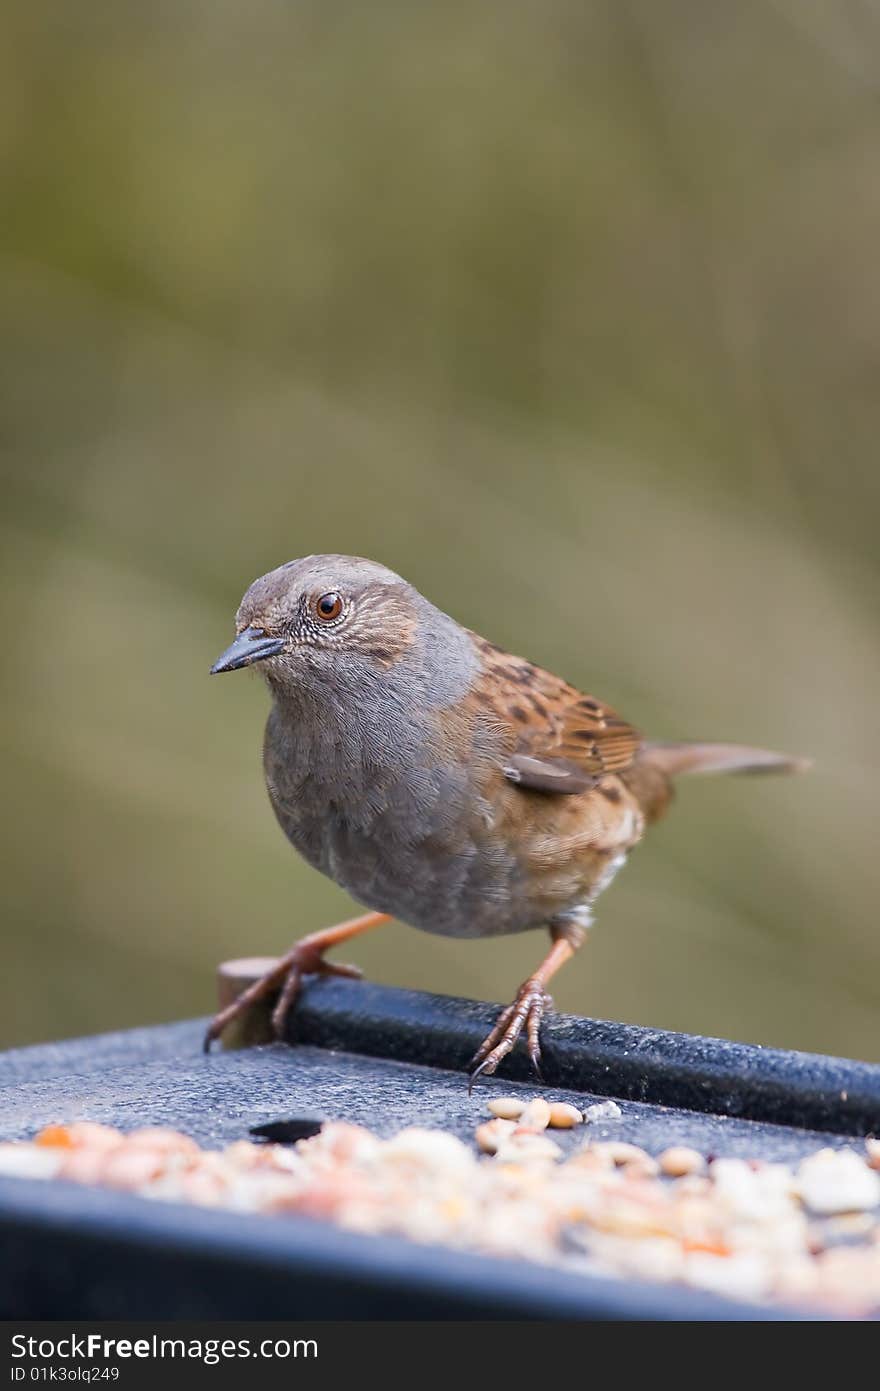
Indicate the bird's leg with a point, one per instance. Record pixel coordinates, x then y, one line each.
528 1007
305 958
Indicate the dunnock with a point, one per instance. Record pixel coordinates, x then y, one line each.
439 779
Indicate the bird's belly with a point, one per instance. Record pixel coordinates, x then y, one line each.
477 889
422 848
472 891
436 853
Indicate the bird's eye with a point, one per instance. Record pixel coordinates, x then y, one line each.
328 607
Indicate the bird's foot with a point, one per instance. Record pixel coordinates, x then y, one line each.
304 959
527 1010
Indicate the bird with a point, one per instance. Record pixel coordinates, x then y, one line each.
442 781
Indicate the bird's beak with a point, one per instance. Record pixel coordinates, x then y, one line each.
251 645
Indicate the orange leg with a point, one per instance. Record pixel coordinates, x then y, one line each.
528 1008
305 958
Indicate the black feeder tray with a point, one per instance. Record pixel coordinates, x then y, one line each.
387 1059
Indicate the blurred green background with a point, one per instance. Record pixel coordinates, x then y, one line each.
570 312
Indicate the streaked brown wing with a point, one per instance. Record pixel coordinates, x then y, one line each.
565 740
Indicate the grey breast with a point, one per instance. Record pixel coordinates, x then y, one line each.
366 796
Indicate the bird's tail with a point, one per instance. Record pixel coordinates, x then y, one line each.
674 759
651 775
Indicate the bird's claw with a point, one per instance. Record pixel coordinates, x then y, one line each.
527 1011
288 974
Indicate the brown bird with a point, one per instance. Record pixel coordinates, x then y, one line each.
441 780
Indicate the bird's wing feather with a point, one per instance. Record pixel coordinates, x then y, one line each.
565 740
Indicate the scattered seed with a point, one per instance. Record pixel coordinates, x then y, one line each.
160 1139
344 1143
84 1165
602 1111
679 1160
641 1168
623 1154
507 1108
205 1189
589 1159
832 1181
740 1276
744 1227
525 1145
132 1168
694 1186
21 1160
563 1116
55 1137
490 1134
88 1135
536 1116
420 1148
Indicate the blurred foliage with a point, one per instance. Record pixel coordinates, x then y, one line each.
568 312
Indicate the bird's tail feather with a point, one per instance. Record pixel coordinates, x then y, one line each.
674 759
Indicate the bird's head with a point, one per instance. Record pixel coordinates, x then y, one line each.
323 615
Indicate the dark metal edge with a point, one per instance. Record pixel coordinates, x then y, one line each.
783 1087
